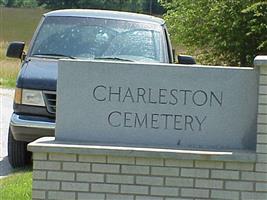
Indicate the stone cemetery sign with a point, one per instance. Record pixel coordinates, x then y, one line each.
157 105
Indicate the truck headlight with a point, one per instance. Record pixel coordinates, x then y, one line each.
29 97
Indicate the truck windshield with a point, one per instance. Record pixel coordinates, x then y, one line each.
97 38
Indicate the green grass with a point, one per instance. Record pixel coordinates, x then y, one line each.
17 186
8 73
16 24
8 68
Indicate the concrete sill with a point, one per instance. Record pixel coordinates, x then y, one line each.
48 144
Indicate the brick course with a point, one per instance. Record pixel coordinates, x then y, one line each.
207 180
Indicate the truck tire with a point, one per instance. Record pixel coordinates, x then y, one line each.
18 155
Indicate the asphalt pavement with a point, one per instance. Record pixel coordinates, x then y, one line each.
6 103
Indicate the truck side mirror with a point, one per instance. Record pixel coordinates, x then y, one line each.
184 59
15 50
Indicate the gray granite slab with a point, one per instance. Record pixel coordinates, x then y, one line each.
157 105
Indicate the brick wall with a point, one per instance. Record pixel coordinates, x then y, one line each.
71 172
72 176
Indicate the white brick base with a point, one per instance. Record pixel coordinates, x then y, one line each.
75 174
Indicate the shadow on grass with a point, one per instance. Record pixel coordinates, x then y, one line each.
17 185
6 169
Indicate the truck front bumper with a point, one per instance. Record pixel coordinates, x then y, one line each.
29 128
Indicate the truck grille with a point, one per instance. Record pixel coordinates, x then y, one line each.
50 101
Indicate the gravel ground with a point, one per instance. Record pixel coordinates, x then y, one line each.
6 103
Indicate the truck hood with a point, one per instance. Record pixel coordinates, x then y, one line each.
39 74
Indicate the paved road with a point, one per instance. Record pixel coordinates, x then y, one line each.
6 103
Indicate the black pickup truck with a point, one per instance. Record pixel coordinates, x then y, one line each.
75 34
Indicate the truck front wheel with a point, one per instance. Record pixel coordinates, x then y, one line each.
18 155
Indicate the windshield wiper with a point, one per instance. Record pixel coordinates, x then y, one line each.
53 55
113 58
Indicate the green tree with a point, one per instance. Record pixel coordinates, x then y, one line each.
147 6
228 32
2 2
59 4
19 3
10 3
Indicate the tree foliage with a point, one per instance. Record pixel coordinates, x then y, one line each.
19 3
142 6
146 6
229 32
